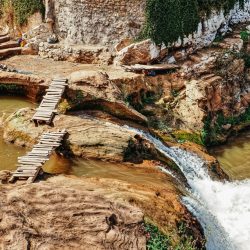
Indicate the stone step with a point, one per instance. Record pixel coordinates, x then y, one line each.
4 34
10 52
8 45
4 39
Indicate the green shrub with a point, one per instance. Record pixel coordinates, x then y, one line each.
244 35
25 8
156 240
169 20
183 136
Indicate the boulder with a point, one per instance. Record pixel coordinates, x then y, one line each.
140 53
235 44
80 216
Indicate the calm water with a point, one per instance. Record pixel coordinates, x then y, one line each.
234 157
95 168
9 152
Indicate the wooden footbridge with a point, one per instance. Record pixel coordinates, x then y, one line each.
30 165
47 109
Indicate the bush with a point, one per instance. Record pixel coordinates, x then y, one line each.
183 136
156 240
244 35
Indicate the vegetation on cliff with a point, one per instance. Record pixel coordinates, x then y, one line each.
18 11
157 240
168 20
216 131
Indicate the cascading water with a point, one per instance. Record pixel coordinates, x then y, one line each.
223 209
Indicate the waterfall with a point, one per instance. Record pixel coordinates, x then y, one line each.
223 209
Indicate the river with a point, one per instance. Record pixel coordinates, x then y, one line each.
223 208
61 165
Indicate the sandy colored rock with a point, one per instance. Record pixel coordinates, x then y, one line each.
88 137
91 88
64 213
69 212
123 43
235 44
139 53
96 84
84 54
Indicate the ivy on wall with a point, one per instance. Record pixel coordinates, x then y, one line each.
22 9
169 20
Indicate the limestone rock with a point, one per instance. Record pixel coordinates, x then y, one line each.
140 53
103 23
125 19
33 85
88 137
95 88
234 44
76 53
76 216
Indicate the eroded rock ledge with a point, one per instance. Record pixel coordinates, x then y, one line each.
109 213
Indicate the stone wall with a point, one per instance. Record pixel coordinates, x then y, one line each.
98 21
